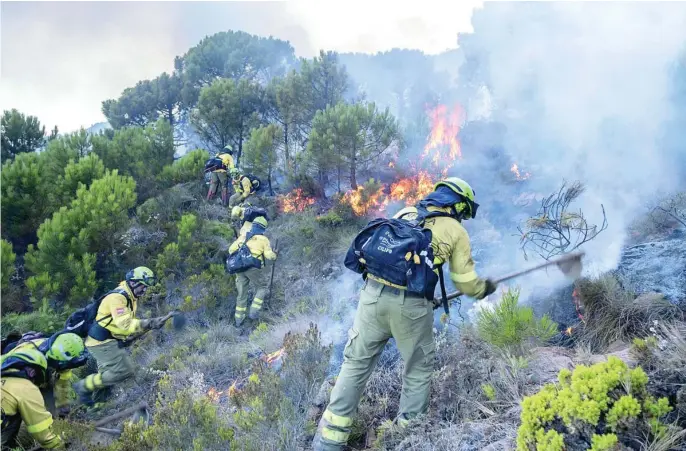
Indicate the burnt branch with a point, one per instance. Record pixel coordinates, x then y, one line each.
555 229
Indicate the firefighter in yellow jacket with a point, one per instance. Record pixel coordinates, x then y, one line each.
247 214
242 187
63 352
260 250
386 311
22 372
219 176
115 322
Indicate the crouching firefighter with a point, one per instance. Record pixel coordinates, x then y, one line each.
111 325
63 351
217 167
23 371
247 215
243 186
401 261
246 259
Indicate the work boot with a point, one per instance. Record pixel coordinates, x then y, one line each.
254 315
85 396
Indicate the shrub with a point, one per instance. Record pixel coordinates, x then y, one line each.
509 325
76 173
612 313
183 419
188 168
24 202
330 219
63 263
600 405
7 270
48 322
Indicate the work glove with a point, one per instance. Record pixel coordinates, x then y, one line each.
490 287
153 323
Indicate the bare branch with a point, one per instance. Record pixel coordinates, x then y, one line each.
555 229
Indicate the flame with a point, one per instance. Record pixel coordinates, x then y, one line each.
391 164
274 357
273 360
375 202
295 201
412 189
445 125
214 394
515 170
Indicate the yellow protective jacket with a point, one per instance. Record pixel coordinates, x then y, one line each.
227 160
123 321
259 247
22 401
450 243
62 386
243 186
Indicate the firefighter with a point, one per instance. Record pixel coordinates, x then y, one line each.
218 177
386 311
242 187
23 370
261 250
247 214
63 352
116 321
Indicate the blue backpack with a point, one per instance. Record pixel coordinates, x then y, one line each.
242 259
398 251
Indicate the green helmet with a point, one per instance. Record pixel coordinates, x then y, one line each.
228 149
65 348
19 361
261 221
465 191
142 275
235 172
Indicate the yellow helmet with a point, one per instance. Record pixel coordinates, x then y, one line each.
236 212
261 221
467 205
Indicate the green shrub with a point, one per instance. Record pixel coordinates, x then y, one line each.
47 322
186 169
184 419
602 404
509 325
24 196
63 262
8 258
330 219
76 173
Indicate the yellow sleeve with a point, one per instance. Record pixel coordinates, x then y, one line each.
38 420
123 318
228 161
462 271
247 186
63 388
236 244
267 251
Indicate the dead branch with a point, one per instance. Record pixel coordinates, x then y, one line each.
556 230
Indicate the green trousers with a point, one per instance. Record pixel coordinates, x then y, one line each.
383 312
217 181
256 278
114 366
236 198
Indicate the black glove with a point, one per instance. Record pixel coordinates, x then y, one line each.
490 287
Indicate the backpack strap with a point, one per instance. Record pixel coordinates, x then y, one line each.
123 292
444 296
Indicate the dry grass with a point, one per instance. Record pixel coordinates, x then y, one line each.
614 314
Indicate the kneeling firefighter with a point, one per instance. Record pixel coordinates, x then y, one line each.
401 260
114 322
64 351
243 187
247 215
247 257
23 371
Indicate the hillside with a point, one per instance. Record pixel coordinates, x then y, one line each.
338 140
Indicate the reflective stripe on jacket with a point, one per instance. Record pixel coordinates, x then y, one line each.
258 244
123 321
22 397
243 186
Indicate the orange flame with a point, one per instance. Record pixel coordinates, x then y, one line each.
363 204
412 189
445 125
515 170
295 201
274 357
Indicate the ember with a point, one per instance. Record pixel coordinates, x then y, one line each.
295 201
515 170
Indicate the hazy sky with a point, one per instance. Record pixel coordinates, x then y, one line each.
60 60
